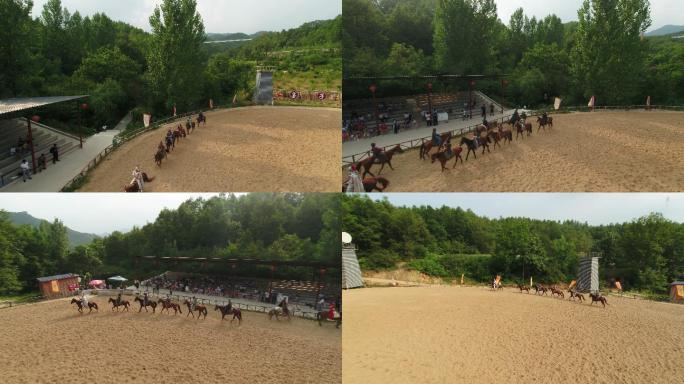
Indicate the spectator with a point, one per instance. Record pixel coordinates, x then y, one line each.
25 170
42 163
55 153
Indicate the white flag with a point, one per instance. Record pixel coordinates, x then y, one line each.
557 103
648 101
146 119
592 102
211 103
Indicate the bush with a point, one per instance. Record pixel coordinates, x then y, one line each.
429 266
378 260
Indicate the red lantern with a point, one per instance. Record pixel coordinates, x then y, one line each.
429 86
84 106
272 268
504 82
373 88
35 118
472 83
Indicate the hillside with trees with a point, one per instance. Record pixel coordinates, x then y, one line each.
601 54
302 227
644 254
60 52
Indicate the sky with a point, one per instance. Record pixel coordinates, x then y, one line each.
663 12
220 16
592 208
98 213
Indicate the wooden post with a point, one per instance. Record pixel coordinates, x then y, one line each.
30 140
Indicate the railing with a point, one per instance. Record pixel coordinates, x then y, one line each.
118 141
413 143
10 304
264 308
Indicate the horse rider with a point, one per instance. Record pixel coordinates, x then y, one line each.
118 299
138 178
193 303
436 139
523 116
378 153
485 123
354 183
145 298
515 117
447 149
84 299
544 118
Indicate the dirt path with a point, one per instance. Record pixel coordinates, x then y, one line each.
255 149
51 343
474 335
585 152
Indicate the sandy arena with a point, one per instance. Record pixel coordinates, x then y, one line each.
585 152
254 149
50 342
474 335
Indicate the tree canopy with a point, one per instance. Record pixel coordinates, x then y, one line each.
644 254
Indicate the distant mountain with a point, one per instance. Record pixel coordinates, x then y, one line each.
75 238
666 30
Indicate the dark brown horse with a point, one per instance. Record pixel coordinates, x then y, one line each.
505 134
201 310
523 288
150 303
166 304
124 303
368 163
444 158
472 145
576 295
599 298
371 183
542 124
540 288
91 305
557 292
426 145
229 310
522 128
159 156
133 186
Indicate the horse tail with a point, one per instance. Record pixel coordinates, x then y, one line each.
385 183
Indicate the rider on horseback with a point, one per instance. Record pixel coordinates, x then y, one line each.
378 154
448 150
145 298
436 139
354 183
193 303
544 118
138 178
84 299
515 118
118 299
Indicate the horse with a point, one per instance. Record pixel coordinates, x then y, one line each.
91 305
277 312
575 294
368 163
426 146
472 146
166 304
150 303
522 128
599 298
116 305
542 124
169 144
495 136
540 288
370 184
505 134
159 156
557 292
201 309
323 316
188 127
133 186
524 288
443 158
229 310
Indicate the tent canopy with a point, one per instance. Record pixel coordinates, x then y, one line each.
118 278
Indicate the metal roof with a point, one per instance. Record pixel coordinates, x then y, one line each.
56 277
23 103
291 263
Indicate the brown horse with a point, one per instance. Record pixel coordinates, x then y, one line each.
371 184
229 310
280 310
540 288
505 134
522 128
542 125
159 156
133 186
524 288
557 292
91 305
496 137
123 303
368 163
599 298
426 145
444 158
322 316
166 304
574 294
472 145
150 303
201 310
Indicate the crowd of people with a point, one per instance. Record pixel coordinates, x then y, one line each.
26 170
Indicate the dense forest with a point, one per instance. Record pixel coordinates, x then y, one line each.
257 226
645 254
60 52
601 54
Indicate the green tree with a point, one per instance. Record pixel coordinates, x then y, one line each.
15 45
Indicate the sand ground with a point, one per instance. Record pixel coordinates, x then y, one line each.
50 342
254 149
585 152
474 335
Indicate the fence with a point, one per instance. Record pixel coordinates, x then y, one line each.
118 141
264 308
10 304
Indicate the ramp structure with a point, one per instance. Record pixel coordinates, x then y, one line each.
588 274
351 271
263 93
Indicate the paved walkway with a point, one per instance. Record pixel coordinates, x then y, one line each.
58 175
355 147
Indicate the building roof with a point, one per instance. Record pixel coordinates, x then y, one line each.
678 283
56 277
24 103
289 263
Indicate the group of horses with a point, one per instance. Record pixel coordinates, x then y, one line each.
492 134
168 143
542 290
